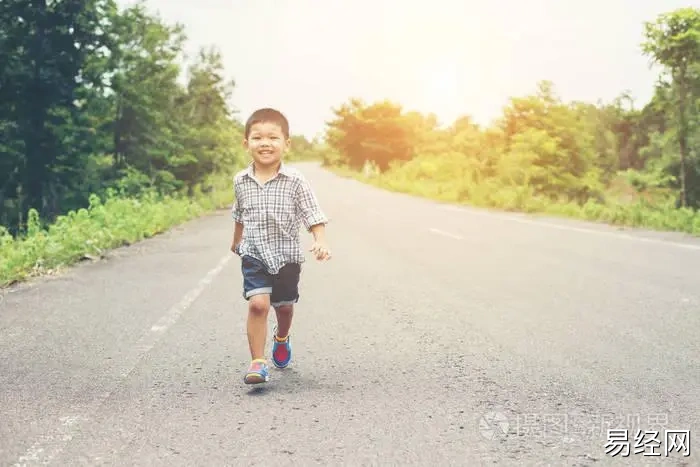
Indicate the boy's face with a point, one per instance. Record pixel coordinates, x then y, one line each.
266 143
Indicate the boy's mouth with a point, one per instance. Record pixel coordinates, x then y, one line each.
265 151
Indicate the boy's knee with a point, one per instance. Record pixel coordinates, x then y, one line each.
259 304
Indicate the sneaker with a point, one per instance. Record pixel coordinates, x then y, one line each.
281 351
258 372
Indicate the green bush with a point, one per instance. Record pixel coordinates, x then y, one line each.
106 223
492 194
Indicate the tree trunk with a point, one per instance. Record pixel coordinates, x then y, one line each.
682 134
36 173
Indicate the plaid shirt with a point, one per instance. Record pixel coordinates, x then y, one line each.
271 215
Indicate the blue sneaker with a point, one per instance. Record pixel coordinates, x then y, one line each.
281 351
257 373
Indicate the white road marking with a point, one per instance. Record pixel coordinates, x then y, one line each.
45 450
147 342
688 246
446 234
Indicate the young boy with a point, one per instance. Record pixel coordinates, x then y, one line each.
272 200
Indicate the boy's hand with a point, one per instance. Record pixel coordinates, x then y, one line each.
321 251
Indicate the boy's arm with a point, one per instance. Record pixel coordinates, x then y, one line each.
237 215
311 214
319 232
314 219
237 237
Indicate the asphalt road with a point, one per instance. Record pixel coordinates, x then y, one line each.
435 335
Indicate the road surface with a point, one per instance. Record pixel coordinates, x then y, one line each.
436 334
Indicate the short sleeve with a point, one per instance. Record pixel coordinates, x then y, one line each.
236 211
308 205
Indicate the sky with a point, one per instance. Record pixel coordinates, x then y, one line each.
447 57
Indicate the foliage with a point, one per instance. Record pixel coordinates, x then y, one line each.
94 98
105 224
673 41
304 150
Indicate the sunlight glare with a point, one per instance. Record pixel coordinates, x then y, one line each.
439 88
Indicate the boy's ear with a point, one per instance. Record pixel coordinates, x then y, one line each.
245 143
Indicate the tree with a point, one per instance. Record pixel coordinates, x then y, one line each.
673 41
90 100
554 143
44 49
380 133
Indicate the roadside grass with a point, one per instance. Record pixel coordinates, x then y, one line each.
660 214
107 223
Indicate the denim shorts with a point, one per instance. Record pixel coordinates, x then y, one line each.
283 287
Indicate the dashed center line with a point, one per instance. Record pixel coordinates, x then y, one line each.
446 234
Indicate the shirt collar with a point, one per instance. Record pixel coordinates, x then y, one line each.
284 170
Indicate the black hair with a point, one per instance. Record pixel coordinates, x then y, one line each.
270 116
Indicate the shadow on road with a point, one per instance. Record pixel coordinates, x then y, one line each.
259 390
288 381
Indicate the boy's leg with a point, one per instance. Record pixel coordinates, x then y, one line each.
285 293
257 287
284 313
258 307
